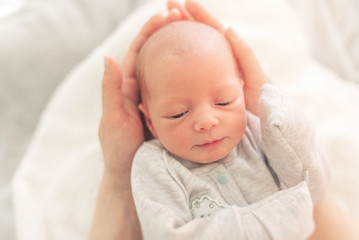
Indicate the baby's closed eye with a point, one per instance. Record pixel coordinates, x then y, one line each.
223 103
178 115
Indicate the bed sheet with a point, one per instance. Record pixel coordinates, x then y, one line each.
56 186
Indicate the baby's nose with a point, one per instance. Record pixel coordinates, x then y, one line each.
205 122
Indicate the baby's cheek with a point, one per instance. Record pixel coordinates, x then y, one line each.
238 123
175 140
182 141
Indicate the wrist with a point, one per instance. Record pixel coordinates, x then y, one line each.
115 216
117 169
120 183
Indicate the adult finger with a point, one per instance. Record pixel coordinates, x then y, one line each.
174 15
172 4
150 27
200 14
247 61
112 97
154 23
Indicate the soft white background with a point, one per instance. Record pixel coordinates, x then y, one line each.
40 42
310 49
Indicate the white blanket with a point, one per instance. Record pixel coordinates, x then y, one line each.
40 42
56 186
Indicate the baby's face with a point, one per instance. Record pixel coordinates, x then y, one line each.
195 104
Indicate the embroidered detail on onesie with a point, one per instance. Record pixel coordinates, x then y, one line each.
205 206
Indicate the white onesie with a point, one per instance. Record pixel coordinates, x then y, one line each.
264 189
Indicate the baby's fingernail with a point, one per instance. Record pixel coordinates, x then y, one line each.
107 63
233 34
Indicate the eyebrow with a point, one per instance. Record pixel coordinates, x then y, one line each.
172 101
225 89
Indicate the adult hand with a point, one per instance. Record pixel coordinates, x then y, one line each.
120 135
249 69
193 11
121 128
248 65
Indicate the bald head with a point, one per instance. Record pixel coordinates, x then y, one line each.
180 39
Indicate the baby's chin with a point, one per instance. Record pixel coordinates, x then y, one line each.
210 159
207 157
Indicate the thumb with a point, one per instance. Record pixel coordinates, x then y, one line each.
112 97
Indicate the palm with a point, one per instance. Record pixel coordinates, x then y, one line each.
121 129
127 134
129 124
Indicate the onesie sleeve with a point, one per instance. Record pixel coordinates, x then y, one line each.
289 143
163 208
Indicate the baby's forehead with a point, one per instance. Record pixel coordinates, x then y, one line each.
183 37
176 43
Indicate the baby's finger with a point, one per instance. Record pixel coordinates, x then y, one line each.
247 61
112 98
172 4
200 14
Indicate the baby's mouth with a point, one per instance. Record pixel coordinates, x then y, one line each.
210 143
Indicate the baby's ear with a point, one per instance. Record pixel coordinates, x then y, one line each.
148 121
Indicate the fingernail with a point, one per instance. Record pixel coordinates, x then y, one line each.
233 34
107 63
176 11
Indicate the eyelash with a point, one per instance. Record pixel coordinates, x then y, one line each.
178 115
183 113
223 104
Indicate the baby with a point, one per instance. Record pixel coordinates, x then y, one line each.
214 170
